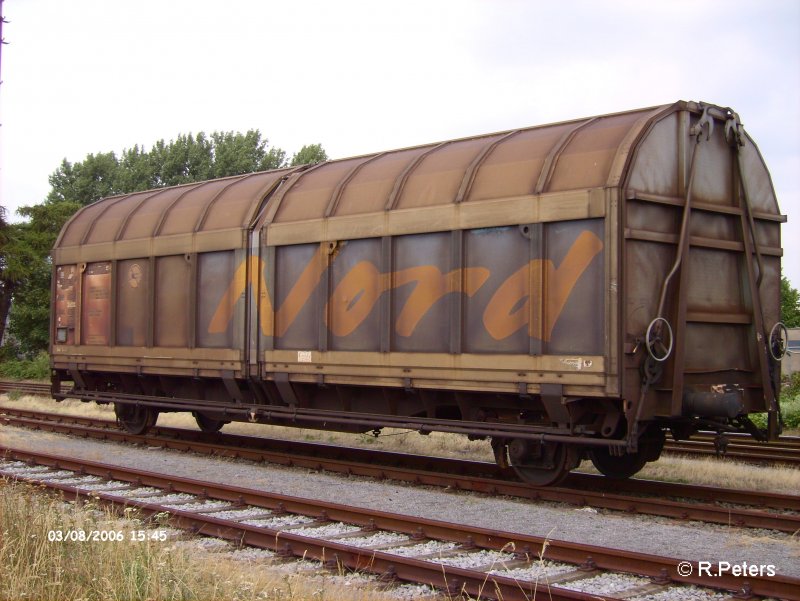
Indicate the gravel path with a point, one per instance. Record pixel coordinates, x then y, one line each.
690 541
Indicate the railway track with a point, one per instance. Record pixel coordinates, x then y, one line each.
451 557
709 504
741 447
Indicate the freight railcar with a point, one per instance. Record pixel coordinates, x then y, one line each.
568 291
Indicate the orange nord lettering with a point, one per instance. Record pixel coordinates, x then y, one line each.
515 304
288 311
533 296
360 289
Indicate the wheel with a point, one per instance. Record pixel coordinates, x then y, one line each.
621 467
778 341
542 463
659 339
618 467
208 424
134 418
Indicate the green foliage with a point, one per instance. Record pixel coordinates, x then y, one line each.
790 405
790 304
791 413
310 153
791 387
30 313
7 282
37 368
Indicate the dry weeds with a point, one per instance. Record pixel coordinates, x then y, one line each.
35 568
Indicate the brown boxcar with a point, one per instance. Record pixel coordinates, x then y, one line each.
568 291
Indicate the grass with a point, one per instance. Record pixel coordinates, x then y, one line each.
790 409
35 568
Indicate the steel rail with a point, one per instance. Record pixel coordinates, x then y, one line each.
337 553
435 471
769 453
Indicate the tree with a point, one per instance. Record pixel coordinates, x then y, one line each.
26 271
790 304
7 281
85 182
310 153
236 153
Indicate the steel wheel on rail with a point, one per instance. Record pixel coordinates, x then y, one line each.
542 463
135 418
621 467
208 424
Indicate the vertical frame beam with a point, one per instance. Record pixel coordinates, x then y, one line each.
113 304
151 303
387 267
537 287
457 300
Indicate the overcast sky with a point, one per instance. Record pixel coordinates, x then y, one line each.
83 76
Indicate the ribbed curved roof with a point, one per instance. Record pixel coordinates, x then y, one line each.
581 154
220 204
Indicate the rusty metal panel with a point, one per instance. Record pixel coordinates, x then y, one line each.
496 316
75 229
713 226
221 286
658 159
133 302
759 182
144 220
574 284
105 226
713 181
647 264
513 167
714 282
237 204
205 206
357 283
96 304
421 285
184 215
296 297
369 189
651 217
716 348
309 197
587 159
173 295
770 291
436 180
66 303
